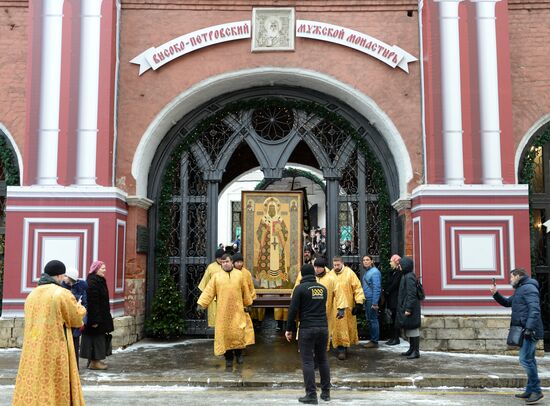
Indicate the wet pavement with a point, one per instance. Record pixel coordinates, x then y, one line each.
102 395
274 363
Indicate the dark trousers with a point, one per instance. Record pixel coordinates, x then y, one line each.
76 341
314 341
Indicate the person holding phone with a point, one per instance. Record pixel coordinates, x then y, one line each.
525 304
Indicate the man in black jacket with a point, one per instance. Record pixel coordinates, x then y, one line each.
309 302
525 304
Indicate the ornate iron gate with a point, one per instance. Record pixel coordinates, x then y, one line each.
9 176
269 133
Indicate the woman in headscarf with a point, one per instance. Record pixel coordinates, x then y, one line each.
96 340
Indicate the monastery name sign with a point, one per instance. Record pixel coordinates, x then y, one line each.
274 29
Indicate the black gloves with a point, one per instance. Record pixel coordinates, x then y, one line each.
357 309
200 310
340 313
528 334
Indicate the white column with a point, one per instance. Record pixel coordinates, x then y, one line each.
88 94
489 117
450 92
50 90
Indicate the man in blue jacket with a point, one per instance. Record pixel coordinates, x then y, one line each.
525 306
371 282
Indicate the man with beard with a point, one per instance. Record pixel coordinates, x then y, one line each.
231 292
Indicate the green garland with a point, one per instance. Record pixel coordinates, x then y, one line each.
526 176
9 163
164 310
292 173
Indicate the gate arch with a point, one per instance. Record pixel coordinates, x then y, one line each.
190 101
190 162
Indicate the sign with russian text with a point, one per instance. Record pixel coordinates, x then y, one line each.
389 54
156 57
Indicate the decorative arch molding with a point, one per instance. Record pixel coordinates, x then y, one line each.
15 153
537 128
211 88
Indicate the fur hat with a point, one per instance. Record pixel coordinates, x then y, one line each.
54 268
307 269
72 273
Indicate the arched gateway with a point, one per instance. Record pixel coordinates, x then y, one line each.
269 128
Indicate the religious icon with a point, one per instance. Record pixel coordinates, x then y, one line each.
273 29
272 237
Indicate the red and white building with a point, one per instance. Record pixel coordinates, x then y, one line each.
456 90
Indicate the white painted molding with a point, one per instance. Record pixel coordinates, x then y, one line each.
140 202
266 76
402 204
13 144
465 311
526 139
71 192
470 190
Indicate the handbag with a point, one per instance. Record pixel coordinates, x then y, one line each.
515 336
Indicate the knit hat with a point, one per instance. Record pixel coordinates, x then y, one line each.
321 262
96 265
220 252
238 257
395 258
54 268
72 273
307 269
407 264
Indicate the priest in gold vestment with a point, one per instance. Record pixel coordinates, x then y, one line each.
231 292
211 269
238 263
48 373
344 332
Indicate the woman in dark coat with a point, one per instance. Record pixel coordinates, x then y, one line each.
408 308
96 340
392 292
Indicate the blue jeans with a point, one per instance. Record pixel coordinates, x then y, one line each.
372 317
529 363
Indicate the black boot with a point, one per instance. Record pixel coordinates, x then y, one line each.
309 399
341 353
228 359
411 348
239 356
415 341
395 340
325 395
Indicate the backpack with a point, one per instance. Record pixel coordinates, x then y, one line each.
420 290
